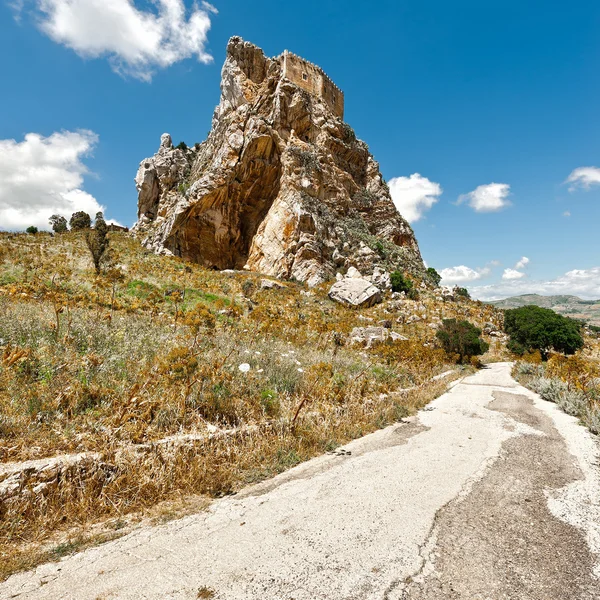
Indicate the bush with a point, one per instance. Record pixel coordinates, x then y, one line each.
400 283
182 146
59 224
97 241
80 220
463 292
32 229
461 338
434 276
535 328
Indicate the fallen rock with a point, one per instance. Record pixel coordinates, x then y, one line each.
269 284
355 292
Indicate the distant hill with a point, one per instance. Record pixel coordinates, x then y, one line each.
570 306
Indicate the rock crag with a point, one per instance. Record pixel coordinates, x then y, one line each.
281 186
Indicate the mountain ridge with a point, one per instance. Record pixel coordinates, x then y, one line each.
564 304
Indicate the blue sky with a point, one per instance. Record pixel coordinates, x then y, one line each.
478 112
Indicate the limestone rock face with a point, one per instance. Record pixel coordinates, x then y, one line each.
281 186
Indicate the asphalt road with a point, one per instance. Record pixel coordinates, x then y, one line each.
488 494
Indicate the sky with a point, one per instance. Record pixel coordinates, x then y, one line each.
482 115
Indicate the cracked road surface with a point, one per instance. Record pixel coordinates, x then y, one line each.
488 494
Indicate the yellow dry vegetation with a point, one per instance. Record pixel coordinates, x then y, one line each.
185 380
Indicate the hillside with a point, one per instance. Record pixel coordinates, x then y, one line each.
569 306
160 380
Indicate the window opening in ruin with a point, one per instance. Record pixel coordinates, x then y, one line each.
304 76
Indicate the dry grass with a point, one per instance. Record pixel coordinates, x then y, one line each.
152 349
572 382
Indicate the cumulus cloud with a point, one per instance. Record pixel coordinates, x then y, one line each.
462 274
414 195
136 41
512 274
41 176
487 198
522 263
567 213
584 283
584 177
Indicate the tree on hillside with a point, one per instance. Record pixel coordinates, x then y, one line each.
461 291
400 283
535 328
434 276
80 220
97 241
461 338
59 224
32 229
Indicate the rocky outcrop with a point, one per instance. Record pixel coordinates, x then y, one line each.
281 186
353 291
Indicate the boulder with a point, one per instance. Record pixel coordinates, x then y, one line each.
269 284
355 292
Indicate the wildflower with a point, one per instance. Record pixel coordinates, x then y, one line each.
300 370
244 367
260 371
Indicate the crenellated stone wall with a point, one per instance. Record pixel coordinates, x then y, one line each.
314 80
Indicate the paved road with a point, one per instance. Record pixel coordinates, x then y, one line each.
488 494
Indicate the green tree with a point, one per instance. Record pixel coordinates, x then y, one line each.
59 224
536 328
434 276
97 241
461 291
400 283
461 338
182 146
80 220
32 229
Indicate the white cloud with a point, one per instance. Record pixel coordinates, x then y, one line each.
584 283
136 41
462 274
584 177
487 198
414 195
567 213
41 176
512 274
521 264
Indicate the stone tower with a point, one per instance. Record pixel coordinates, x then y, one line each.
314 80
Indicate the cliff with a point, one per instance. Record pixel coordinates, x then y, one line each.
281 186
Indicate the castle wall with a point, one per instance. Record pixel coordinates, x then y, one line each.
311 78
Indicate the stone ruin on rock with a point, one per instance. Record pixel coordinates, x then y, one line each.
281 186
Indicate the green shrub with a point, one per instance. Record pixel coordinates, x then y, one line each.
182 146
97 241
461 338
59 224
463 292
32 229
434 276
80 220
400 283
535 328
